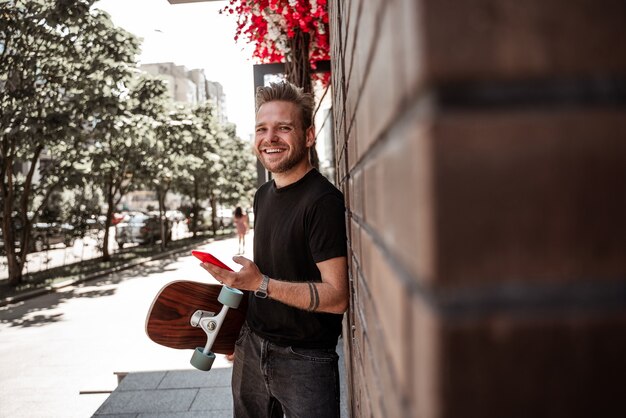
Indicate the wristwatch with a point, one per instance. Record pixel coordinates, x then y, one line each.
261 292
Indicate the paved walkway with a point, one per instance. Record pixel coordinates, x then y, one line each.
182 394
176 393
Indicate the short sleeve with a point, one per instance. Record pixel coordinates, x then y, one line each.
326 228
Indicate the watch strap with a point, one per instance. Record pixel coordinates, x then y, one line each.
261 292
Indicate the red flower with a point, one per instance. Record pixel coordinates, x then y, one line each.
252 26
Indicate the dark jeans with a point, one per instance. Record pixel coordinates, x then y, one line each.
269 379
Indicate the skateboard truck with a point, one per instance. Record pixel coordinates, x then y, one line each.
210 323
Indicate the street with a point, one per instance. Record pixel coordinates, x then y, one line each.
56 346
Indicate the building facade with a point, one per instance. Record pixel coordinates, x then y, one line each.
189 87
481 148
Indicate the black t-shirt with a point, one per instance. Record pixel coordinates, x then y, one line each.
295 227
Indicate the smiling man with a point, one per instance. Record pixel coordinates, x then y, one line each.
285 357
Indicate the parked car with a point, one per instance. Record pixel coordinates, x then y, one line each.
116 218
44 235
141 229
224 219
47 234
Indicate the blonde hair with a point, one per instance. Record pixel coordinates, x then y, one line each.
287 92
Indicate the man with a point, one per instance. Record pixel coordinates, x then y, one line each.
285 358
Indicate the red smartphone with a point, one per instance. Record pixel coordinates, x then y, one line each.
208 258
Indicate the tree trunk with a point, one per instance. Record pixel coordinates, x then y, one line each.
106 256
8 231
297 64
194 209
14 260
24 241
8 235
298 72
162 220
16 276
213 214
23 207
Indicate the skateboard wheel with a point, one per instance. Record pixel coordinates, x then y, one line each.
230 297
202 361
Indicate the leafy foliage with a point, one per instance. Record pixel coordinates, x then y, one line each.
61 66
217 166
237 188
165 160
123 138
269 24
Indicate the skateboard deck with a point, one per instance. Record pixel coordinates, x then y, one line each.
169 319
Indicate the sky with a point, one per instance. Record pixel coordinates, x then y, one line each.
197 36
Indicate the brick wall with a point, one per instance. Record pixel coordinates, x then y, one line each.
481 147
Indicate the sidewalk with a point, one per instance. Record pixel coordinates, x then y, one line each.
176 393
183 394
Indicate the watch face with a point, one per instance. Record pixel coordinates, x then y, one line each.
260 294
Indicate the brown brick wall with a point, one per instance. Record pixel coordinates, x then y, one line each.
570 365
543 196
481 147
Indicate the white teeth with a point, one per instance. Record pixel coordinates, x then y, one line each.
273 150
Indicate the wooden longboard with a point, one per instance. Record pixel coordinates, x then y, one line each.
168 320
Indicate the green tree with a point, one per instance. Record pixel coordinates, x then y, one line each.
58 61
166 160
218 178
239 169
220 167
202 161
122 140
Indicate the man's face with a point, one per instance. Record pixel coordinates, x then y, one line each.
280 143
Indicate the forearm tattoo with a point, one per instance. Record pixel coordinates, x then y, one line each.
315 298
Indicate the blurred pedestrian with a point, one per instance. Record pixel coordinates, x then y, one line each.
241 224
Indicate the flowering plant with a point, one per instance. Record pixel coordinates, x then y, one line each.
272 25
